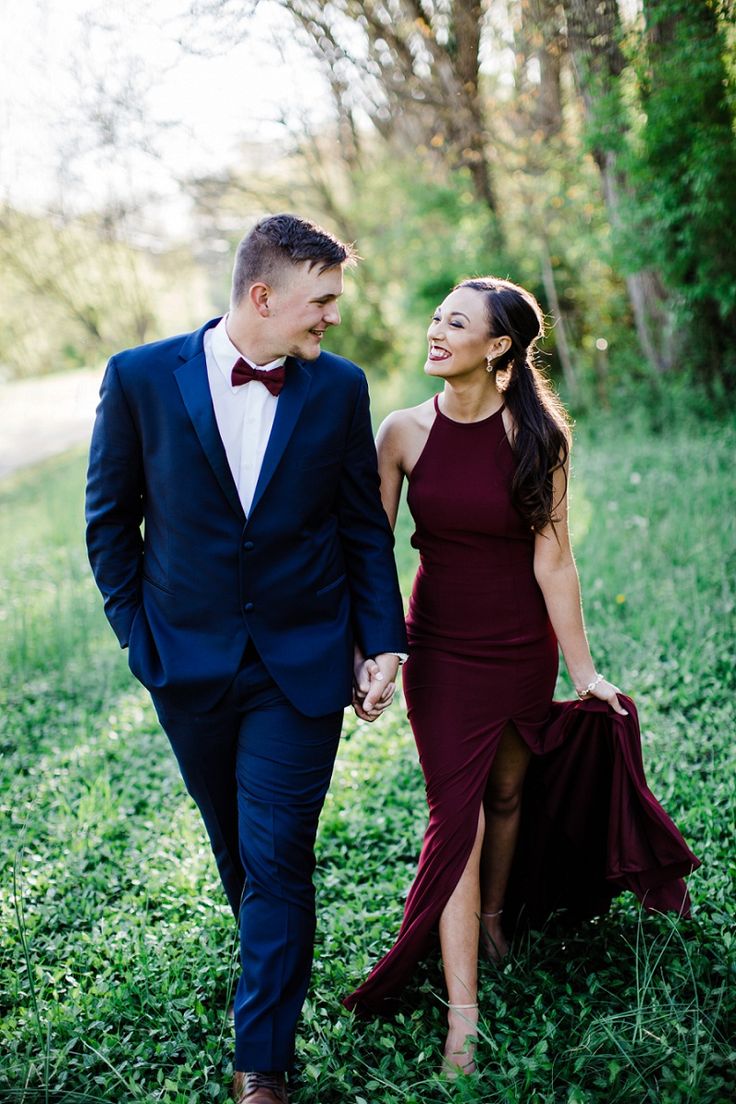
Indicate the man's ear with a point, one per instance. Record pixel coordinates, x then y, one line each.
258 294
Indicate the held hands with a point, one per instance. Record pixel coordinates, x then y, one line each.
374 684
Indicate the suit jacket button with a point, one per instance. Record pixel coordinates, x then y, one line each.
248 607
248 546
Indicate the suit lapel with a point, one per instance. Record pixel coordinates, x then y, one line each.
191 378
290 404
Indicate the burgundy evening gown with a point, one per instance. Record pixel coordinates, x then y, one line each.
483 654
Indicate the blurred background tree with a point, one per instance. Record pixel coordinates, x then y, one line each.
683 169
584 148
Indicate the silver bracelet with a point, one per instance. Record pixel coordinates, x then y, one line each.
586 693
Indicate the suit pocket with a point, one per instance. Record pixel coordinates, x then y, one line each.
159 586
143 658
331 586
138 624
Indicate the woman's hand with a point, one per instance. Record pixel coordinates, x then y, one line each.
605 691
371 682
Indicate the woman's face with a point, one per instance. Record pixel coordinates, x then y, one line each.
458 336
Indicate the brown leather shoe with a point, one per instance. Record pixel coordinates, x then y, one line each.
259 1088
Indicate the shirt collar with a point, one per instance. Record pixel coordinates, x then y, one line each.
225 354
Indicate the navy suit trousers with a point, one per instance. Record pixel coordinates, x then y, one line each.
259 772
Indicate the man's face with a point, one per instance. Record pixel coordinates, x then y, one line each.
302 305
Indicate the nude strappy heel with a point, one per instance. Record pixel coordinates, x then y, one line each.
453 1070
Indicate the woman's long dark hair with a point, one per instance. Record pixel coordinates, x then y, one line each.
541 440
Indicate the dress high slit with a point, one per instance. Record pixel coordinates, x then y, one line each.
483 655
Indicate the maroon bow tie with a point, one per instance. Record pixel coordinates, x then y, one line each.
273 380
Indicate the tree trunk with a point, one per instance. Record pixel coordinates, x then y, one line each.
647 295
593 31
465 30
419 76
563 345
689 164
540 37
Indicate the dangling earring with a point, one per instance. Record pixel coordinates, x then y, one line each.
503 379
489 365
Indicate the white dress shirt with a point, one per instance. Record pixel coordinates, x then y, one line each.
244 414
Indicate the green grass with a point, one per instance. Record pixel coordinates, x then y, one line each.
117 950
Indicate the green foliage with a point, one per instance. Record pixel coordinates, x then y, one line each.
73 292
684 175
420 231
417 231
664 128
658 97
558 210
117 951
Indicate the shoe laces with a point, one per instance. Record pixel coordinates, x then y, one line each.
271 1079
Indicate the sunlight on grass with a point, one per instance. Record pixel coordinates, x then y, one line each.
117 953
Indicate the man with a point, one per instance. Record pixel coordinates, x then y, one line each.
265 558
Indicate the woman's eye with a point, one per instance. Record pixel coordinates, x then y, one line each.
457 325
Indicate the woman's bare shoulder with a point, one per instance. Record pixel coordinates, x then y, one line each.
410 420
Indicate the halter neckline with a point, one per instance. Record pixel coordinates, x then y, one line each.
478 421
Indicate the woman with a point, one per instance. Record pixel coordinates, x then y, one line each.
497 590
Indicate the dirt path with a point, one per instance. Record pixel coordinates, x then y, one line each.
45 416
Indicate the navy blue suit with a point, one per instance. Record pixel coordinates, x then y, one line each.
243 628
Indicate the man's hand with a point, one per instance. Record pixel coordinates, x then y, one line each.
374 684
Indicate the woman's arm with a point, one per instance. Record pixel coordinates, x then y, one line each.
390 448
557 575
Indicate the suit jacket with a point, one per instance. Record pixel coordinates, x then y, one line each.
310 569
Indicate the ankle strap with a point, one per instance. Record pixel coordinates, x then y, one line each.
475 1005
498 913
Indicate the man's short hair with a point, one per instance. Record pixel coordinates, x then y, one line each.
281 240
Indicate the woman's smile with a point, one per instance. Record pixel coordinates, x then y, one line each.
436 352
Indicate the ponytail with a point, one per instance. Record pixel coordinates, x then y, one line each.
541 441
